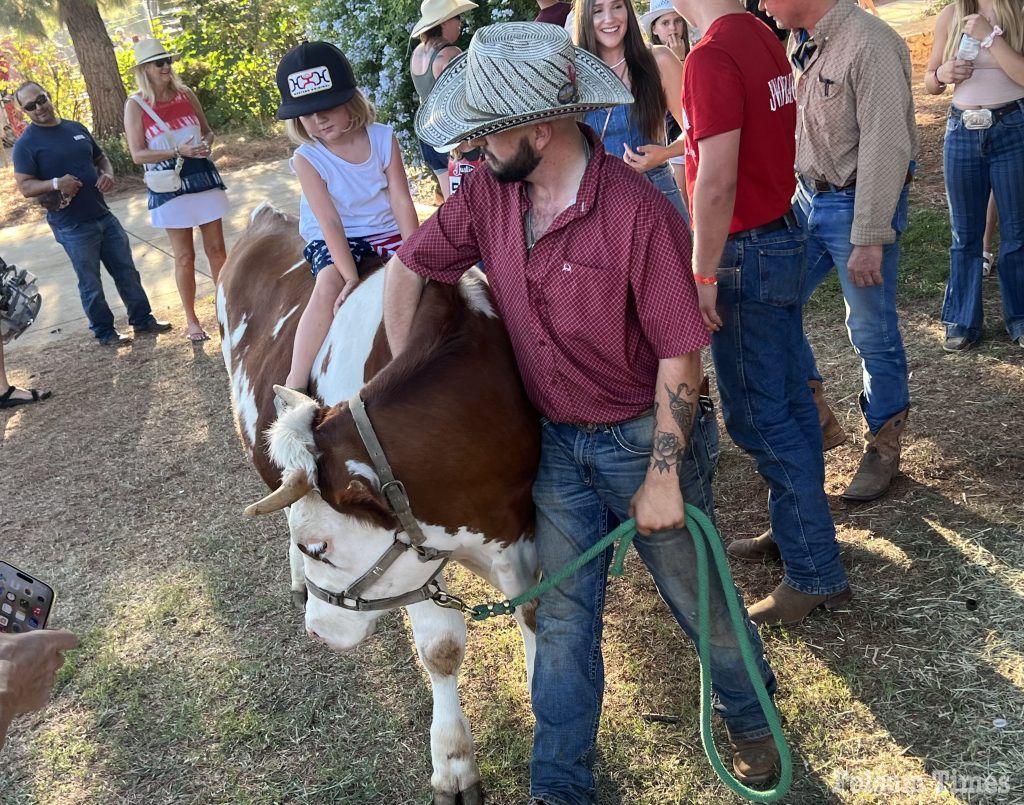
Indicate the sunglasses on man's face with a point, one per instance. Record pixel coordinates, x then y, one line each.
162 62
42 100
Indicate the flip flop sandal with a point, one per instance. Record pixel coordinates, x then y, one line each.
195 337
7 401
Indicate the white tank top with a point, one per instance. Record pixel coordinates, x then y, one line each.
989 85
359 192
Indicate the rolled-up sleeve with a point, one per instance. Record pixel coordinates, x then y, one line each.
661 279
446 244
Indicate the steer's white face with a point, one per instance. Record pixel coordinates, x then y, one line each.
352 547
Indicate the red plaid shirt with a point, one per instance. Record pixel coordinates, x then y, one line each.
605 293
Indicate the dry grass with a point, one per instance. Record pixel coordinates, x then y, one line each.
196 683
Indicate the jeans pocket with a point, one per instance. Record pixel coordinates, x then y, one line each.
781 269
707 422
1013 120
952 124
635 435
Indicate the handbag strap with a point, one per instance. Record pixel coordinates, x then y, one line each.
180 160
149 111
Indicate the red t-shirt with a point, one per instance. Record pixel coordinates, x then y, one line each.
604 294
738 77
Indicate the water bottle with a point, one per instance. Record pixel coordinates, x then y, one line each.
969 48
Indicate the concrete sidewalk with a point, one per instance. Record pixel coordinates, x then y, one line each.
32 247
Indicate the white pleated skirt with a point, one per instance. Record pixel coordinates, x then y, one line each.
191 209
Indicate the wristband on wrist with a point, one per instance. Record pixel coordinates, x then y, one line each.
988 40
700 279
56 183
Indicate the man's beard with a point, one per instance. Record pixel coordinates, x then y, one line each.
517 167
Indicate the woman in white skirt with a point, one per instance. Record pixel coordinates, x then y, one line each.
166 129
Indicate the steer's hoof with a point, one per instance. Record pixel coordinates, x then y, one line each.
474 795
299 599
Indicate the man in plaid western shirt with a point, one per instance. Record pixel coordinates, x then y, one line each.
591 271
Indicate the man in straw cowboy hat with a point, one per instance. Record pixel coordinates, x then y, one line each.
591 271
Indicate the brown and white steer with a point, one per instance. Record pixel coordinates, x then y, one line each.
458 431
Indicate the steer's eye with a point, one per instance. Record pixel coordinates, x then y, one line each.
315 550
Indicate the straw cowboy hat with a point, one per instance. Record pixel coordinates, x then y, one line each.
513 74
147 50
659 8
434 12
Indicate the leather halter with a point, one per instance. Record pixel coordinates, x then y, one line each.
398 501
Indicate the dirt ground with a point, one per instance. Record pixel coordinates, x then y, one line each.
196 683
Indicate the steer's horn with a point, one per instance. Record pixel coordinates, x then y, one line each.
295 487
291 397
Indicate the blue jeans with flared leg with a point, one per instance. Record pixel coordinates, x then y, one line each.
978 162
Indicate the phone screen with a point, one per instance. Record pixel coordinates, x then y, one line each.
25 602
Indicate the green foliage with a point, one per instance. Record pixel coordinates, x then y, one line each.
116 149
43 62
374 34
229 53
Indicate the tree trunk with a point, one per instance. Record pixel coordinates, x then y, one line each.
98 63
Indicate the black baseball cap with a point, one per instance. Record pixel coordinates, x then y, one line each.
313 77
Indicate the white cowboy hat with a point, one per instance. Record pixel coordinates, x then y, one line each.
434 12
659 8
147 50
513 74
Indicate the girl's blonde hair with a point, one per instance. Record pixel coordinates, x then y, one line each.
1008 16
360 111
146 87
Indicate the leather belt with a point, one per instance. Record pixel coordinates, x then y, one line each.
783 222
821 186
997 114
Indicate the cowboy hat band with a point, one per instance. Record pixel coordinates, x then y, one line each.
147 50
434 12
514 74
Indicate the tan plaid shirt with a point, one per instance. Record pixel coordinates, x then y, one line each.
855 116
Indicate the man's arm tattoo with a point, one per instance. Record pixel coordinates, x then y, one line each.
682 410
665 448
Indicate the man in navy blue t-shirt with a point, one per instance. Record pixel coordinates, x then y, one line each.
58 162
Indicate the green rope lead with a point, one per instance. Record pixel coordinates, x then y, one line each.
704 534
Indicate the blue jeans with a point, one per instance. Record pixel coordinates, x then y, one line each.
976 163
871 318
664 179
584 484
766 403
104 240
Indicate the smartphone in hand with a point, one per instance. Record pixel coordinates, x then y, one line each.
25 602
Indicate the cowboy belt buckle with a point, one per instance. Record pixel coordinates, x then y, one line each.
977 118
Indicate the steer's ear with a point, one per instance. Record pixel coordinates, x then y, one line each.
359 500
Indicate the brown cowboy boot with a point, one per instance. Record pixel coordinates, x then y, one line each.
832 432
787 607
756 550
755 762
880 461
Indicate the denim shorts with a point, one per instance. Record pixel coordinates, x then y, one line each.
435 161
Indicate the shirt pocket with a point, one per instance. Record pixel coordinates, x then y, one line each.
575 296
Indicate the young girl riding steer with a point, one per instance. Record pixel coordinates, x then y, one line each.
355 197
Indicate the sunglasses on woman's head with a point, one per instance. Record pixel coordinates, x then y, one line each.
163 62
39 101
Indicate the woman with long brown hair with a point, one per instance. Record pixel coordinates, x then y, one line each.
979 48
636 133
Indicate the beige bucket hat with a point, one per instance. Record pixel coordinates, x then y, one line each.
434 12
147 50
514 74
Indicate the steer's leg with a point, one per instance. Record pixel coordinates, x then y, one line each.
440 636
295 562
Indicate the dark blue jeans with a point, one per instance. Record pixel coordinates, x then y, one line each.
766 403
871 318
978 162
104 240
584 484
